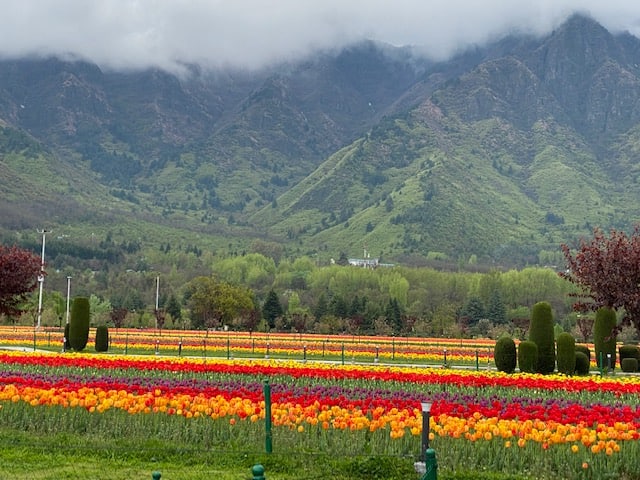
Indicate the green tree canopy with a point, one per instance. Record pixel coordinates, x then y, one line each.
253 270
173 307
214 304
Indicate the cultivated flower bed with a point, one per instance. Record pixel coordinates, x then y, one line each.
552 426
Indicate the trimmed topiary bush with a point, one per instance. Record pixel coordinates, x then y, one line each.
541 333
566 353
584 349
604 340
505 354
67 345
628 351
79 323
102 338
527 356
629 364
583 364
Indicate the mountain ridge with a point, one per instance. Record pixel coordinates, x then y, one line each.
501 153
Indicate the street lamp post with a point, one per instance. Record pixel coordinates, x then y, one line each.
426 414
157 298
41 277
428 467
68 296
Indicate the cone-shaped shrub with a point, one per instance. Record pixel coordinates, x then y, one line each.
566 353
604 341
542 334
527 356
504 354
79 323
102 338
583 364
67 345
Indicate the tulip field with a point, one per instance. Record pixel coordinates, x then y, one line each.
284 346
529 426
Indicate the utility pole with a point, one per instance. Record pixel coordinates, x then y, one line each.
41 276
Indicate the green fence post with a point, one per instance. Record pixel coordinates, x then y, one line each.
477 361
258 472
228 348
34 340
126 343
431 465
342 353
268 445
600 363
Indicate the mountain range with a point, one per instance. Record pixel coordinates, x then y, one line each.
497 155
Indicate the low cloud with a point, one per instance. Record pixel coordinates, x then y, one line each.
126 34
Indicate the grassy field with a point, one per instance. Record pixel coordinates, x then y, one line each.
75 456
28 456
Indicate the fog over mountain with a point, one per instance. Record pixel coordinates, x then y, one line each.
496 155
120 34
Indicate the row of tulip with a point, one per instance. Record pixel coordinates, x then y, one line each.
546 420
245 344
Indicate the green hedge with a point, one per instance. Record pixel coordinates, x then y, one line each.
527 356
566 353
584 349
79 323
629 364
541 333
583 364
505 355
102 338
603 338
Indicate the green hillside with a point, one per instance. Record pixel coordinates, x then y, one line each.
496 156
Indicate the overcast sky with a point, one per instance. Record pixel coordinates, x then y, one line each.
250 33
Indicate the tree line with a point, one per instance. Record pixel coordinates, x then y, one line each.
242 291
251 291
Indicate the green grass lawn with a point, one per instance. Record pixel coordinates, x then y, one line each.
29 456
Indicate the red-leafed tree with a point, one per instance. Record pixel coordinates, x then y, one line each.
161 315
19 271
118 314
607 271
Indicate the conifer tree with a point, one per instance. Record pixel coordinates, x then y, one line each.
272 309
